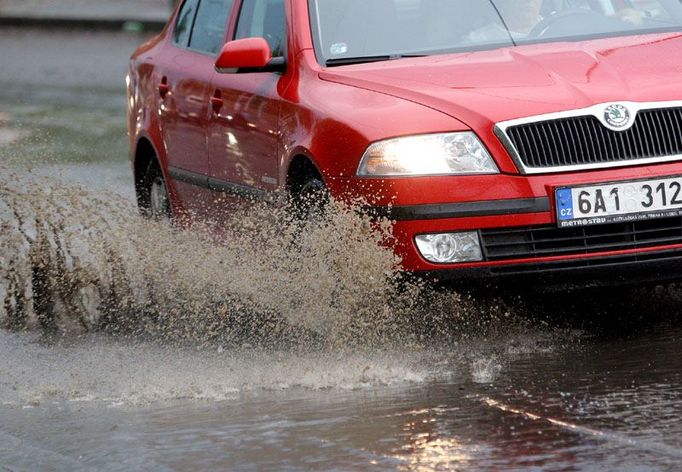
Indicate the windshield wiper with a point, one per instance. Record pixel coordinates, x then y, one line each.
346 61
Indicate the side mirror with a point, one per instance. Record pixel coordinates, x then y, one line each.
248 55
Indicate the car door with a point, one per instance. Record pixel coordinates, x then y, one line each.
185 90
243 134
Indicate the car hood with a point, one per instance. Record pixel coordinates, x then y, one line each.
482 87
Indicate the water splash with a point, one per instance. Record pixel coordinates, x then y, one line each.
267 303
80 261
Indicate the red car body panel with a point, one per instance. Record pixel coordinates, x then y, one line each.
331 116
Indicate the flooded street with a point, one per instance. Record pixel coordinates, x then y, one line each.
612 405
177 353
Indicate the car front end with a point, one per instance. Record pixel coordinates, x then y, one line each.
563 164
512 228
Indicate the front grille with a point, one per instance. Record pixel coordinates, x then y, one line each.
583 140
546 241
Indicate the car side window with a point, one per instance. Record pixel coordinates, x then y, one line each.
183 27
208 34
264 19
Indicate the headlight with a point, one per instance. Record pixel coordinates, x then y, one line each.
430 154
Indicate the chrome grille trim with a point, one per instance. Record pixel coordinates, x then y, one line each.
595 140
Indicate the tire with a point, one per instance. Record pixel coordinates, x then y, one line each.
153 199
311 199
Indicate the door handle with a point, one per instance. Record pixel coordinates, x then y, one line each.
217 101
164 88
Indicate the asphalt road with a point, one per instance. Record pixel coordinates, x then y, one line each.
586 382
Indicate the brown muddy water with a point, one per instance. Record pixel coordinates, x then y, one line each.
131 345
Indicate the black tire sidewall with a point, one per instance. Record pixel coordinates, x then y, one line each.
152 173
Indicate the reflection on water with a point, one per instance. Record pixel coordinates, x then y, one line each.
425 450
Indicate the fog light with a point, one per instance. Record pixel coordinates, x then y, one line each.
448 248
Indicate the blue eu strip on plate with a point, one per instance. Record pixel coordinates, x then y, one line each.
564 199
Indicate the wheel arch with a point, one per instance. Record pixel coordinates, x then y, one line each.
301 167
145 153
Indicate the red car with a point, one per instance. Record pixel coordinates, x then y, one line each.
506 138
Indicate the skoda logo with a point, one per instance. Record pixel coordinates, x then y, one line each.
617 116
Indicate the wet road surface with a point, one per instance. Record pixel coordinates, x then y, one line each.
593 387
609 405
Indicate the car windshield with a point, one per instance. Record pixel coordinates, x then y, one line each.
349 31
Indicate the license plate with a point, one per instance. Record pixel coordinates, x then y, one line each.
619 202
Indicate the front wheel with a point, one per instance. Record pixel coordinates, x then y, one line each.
311 199
155 202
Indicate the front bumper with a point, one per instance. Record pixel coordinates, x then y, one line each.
561 267
650 267
507 201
